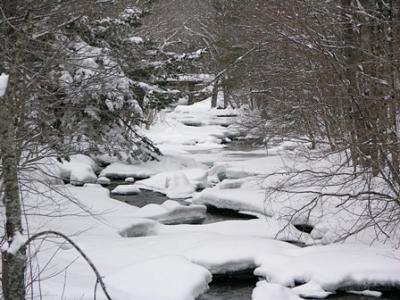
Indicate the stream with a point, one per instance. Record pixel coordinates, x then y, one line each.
237 286
232 287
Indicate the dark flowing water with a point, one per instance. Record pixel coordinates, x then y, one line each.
230 289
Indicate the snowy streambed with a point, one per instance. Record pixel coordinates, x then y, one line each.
164 245
239 281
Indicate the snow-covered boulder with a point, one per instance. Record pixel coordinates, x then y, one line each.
230 184
163 278
176 185
140 227
126 189
104 180
129 179
79 170
234 253
142 170
224 171
326 269
172 212
241 199
266 290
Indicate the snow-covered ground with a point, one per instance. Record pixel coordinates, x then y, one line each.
141 256
162 256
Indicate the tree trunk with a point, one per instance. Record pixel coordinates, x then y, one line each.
190 94
13 264
214 97
11 107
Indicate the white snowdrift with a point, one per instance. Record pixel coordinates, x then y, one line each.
236 199
326 269
130 266
79 170
180 184
193 127
121 170
234 253
271 291
172 212
263 228
152 280
126 189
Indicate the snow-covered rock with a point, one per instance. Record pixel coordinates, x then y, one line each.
251 200
140 170
266 291
79 170
126 189
234 253
325 269
172 212
104 180
220 172
129 179
178 184
164 278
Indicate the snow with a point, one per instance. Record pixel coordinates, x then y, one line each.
366 293
126 189
136 40
234 253
172 130
79 170
241 199
261 228
148 254
177 254
311 289
3 84
104 180
18 241
152 280
130 179
176 185
271 291
118 170
172 212
325 269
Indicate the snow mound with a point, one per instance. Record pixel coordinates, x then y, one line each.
266 291
192 127
236 199
79 170
152 280
126 189
130 179
141 170
172 212
220 172
104 180
329 268
265 228
201 113
234 253
180 184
